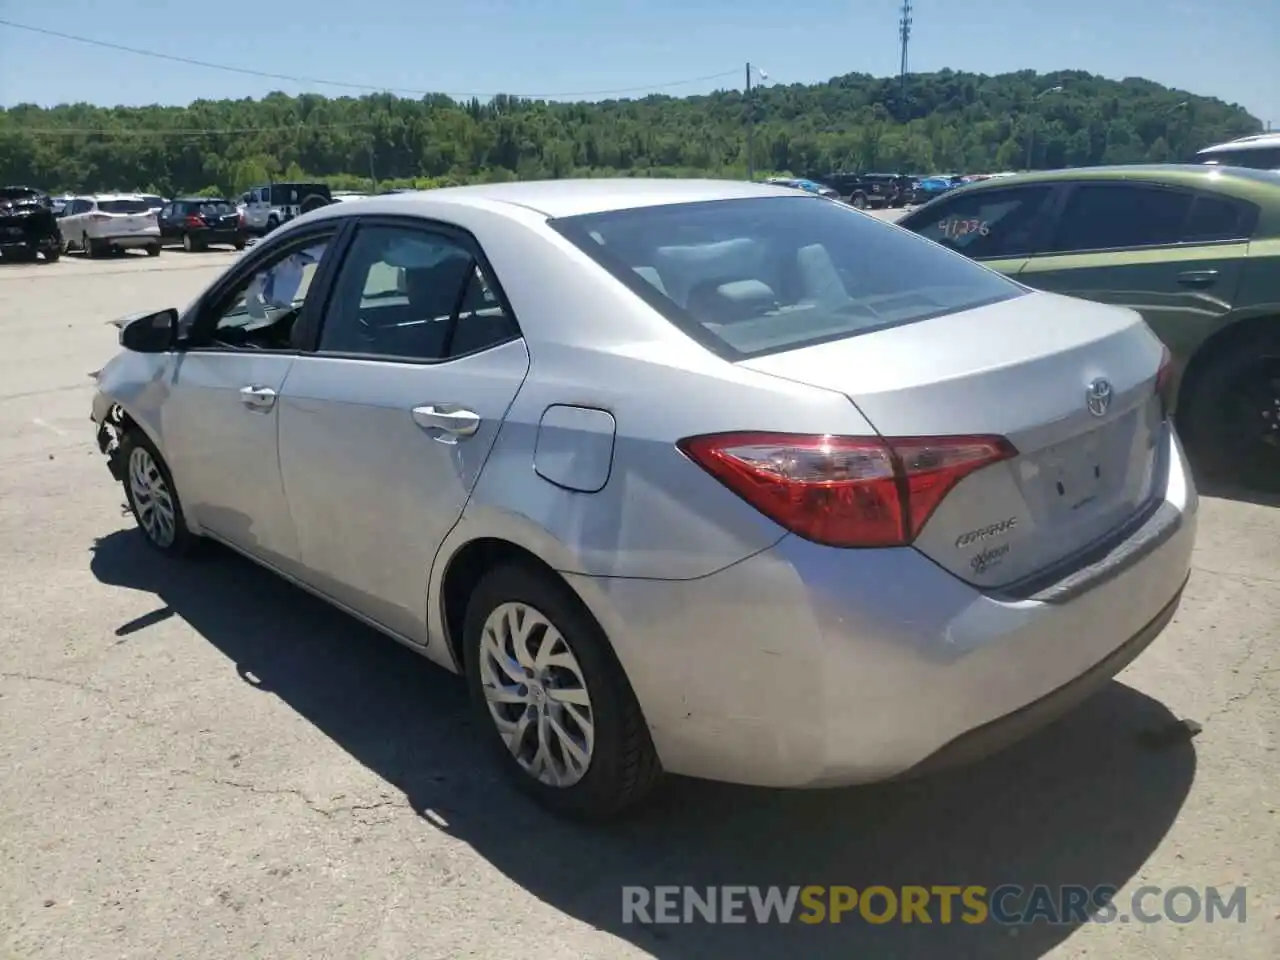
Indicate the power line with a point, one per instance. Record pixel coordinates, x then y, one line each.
176 131
106 44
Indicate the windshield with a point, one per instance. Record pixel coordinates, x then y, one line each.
124 206
758 276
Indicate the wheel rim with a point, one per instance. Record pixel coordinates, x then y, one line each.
152 499
537 695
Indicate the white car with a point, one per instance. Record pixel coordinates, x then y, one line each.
105 223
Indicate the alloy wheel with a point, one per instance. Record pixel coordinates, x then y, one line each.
536 694
152 500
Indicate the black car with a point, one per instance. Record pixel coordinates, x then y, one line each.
871 189
197 222
28 225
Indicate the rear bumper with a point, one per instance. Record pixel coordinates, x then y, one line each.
29 241
128 239
217 236
808 666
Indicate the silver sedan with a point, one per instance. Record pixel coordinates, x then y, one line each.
703 477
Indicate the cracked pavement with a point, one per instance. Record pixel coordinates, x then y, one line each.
199 761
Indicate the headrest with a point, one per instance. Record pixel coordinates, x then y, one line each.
727 301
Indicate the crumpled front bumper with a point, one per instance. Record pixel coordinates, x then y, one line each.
106 416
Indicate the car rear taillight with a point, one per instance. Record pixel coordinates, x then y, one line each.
99 217
240 221
194 221
845 491
1164 381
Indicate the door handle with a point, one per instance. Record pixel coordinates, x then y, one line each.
258 398
1198 278
453 420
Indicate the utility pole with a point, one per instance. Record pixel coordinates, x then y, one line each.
751 128
904 35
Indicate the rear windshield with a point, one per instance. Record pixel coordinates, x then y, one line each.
758 276
214 208
124 206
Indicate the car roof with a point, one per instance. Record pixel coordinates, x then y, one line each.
1257 141
568 198
200 200
1256 185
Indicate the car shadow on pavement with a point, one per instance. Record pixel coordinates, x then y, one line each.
1084 802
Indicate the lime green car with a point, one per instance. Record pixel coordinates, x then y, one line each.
1194 249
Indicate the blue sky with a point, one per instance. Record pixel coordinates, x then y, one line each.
1226 48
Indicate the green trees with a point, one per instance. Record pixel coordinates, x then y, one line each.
950 122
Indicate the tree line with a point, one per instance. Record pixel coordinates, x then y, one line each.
941 122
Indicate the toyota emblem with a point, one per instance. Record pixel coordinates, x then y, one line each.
1098 397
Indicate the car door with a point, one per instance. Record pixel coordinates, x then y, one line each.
999 227
71 225
254 212
1174 255
384 428
164 220
220 420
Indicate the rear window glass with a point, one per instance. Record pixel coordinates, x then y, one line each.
124 206
215 208
757 276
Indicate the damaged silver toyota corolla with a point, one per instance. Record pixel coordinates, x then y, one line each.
713 478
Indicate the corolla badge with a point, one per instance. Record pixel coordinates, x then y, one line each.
1098 396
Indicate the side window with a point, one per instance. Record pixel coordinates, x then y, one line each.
1218 218
414 295
261 311
989 224
1112 217
166 211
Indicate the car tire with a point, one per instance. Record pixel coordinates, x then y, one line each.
622 767
858 201
153 496
188 245
272 222
51 254
153 250
1229 415
239 244
91 248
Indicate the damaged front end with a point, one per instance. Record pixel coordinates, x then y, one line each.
27 222
111 429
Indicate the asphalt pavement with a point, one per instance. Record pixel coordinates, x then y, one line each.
200 761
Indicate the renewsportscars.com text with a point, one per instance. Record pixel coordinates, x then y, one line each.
1009 904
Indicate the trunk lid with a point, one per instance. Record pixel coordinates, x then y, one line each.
1023 369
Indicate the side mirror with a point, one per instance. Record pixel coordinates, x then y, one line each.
151 333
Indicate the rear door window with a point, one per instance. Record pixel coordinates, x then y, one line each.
1219 218
987 224
1112 216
